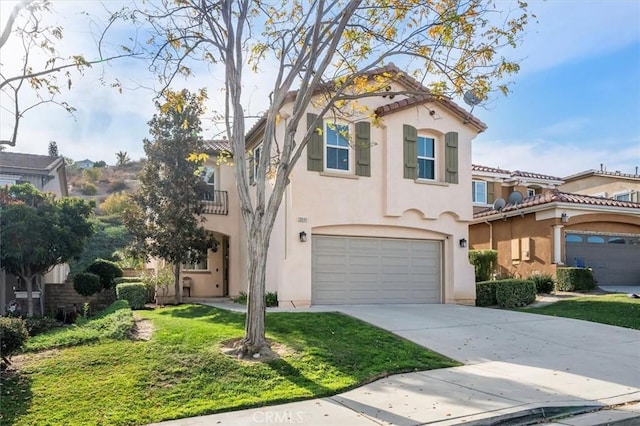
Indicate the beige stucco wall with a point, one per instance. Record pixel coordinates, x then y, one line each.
608 185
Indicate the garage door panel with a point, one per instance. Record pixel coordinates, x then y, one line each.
375 270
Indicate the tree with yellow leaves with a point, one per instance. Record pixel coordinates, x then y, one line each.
324 54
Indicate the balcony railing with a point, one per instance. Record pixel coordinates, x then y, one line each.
215 202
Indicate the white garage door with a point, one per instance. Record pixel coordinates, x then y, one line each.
354 270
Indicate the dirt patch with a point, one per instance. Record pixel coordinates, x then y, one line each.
19 361
142 329
277 350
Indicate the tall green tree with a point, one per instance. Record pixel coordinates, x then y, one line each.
38 232
53 149
167 220
327 51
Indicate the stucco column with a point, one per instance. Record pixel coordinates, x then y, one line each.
557 241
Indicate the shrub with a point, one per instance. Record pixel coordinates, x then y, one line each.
134 293
484 262
575 279
37 326
13 336
107 271
116 203
87 284
117 186
100 164
92 174
271 299
241 298
514 293
486 293
544 283
88 189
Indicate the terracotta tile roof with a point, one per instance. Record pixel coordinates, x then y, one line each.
217 145
27 161
555 196
401 77
601 173
479 168
530 175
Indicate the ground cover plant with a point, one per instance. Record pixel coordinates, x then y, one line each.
181 371
612 309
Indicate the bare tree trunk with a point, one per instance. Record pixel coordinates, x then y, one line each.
28 280
176 283
255 341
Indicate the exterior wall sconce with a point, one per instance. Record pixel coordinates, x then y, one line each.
303 237
463 242
564 218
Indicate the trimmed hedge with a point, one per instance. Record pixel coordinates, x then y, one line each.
575 279
107 270
486 293
13 336
134 293
484 262
41 325
515 293
87 284
544 283
127 280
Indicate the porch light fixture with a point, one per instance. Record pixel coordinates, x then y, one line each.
463 242
303 237
564 218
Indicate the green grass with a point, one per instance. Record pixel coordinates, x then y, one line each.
112 323
181 372
612 309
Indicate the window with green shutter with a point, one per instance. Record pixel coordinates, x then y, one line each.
410 146
315 147
363 148
451 157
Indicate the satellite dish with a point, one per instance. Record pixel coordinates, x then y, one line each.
515 197
471 98
499 204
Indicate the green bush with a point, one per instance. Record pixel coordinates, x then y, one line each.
241 298
107 270
484 263
544 283
88 189
117 186
134 293
13 336
271 299
486 293
128 280
87 284
575 279
37 326
514 293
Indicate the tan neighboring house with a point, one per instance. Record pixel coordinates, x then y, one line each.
381 220
48 175
557 228
601 183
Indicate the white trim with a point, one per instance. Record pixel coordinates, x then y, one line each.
473 192
326 146
434 158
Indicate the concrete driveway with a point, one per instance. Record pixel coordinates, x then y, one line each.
514 363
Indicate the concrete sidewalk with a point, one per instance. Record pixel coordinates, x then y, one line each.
514 362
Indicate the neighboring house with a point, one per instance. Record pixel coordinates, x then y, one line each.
48 175
556 228
601 183
382 218
84 164
490 183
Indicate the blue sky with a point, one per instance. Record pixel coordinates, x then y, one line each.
574 105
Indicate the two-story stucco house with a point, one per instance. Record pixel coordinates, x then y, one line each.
373 214
48 175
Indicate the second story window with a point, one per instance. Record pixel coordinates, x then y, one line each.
426 158
479 189
622 196
337 146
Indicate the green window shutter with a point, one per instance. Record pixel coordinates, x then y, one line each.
410 138
490 193
251 169
363 148
315 147
451 157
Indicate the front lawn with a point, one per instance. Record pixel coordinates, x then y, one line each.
614 309
181 371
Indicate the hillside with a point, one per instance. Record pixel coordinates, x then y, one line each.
98 183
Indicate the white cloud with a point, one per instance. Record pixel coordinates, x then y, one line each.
564 127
